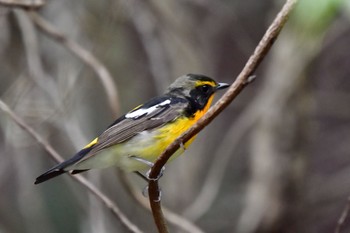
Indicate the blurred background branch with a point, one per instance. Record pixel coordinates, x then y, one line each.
277 160
26 4
100 70
344 215
55 156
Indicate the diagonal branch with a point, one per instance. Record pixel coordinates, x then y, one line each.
33 4
343 217
241 81
90 60
79 178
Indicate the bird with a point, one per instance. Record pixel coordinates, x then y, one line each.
135 140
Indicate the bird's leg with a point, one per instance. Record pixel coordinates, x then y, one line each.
146 177
150 164
144 161
142 176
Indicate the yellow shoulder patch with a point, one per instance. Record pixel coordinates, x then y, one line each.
136 108
92 143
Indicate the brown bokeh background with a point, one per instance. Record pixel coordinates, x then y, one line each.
276 160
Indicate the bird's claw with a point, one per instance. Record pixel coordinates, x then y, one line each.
158 177
145 193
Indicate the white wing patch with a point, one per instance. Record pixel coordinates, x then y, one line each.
145 111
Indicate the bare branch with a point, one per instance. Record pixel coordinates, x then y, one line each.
146 24
241 81
101 71
79 178
26 4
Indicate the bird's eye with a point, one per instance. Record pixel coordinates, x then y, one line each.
205 88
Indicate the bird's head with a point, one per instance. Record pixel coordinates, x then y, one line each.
198 88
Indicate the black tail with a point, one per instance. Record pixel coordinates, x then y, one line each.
53 173
60 168
48 175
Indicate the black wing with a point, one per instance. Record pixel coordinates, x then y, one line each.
161 111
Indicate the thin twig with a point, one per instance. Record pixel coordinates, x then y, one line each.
100 70
241 81
32 54
343 216
147 26
34 4
80 179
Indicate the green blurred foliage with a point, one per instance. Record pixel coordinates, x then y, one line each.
313 17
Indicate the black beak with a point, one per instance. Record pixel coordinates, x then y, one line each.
222 86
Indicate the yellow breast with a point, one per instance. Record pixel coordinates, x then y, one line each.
168 133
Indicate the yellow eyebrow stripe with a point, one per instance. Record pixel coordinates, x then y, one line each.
201 83
92 143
